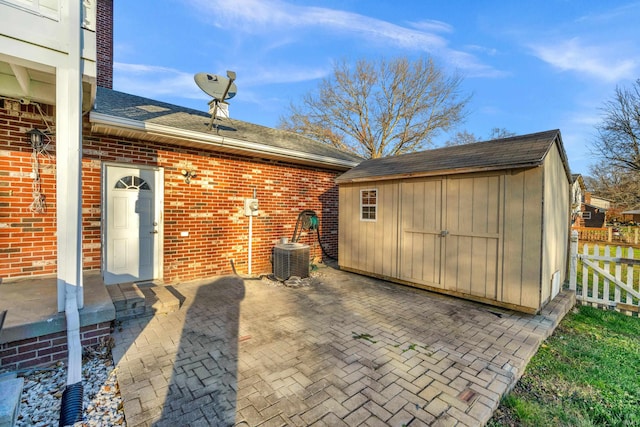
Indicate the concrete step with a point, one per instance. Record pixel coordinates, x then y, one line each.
10 393
143 299
160 299
128 300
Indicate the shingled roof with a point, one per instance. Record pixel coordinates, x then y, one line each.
525 151
125 115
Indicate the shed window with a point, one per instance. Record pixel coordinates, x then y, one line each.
586 215
368 204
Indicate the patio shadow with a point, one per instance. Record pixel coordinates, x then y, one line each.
181 368
203 386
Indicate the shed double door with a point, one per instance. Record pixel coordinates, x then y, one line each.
450 234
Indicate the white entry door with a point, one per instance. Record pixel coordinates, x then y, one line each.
133 231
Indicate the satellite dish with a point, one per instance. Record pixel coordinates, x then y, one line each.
218 87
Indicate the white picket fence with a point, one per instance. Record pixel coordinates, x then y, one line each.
610 280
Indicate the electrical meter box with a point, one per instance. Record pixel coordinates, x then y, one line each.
250 207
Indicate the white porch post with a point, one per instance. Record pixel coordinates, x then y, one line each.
68 179
69 163
573 260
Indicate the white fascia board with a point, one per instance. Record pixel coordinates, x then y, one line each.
252 148
30 55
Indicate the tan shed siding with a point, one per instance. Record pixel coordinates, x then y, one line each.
495 237
473 216
387 232
344 215
556 221
369 245
522 238
420 227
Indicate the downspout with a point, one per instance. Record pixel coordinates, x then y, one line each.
69 211
250 261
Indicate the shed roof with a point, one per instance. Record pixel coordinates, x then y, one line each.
524 151
122 114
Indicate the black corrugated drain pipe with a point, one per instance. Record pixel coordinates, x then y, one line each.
71 407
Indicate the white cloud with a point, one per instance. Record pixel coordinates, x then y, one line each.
471 66
143 69
482 49
585 119
153 81
592 60
615 15
254 16
289 74
432 25
268 17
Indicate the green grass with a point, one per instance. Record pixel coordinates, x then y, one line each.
586 374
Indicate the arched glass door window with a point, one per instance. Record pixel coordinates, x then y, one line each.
131 182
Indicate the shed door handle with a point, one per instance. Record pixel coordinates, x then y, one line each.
444 233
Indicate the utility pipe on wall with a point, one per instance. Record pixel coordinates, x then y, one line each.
250 239
250 210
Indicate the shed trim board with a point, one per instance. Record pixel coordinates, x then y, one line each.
497 237
428 174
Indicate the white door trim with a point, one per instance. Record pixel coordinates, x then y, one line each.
158 189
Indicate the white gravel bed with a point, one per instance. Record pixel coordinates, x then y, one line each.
43 388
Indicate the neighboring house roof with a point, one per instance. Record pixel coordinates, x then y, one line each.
121 114
600 198
576 177
596 207
632 212
600 202
525 151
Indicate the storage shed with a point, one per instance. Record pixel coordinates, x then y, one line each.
487 221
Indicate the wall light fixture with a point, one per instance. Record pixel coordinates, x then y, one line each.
188 175
36 138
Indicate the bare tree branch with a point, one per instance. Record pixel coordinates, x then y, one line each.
382 108
617 184
618 139
466 137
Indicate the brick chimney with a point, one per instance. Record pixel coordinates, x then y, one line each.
104 43
587 197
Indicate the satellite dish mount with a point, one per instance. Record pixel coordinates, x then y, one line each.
220 88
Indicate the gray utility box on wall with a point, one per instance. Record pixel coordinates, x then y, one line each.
290 259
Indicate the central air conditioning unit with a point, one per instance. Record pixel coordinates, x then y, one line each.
290 259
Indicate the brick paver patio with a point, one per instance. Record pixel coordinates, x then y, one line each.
347 350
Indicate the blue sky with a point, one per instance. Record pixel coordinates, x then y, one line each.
529 65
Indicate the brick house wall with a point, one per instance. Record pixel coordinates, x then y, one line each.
27 239
46 349
210 208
